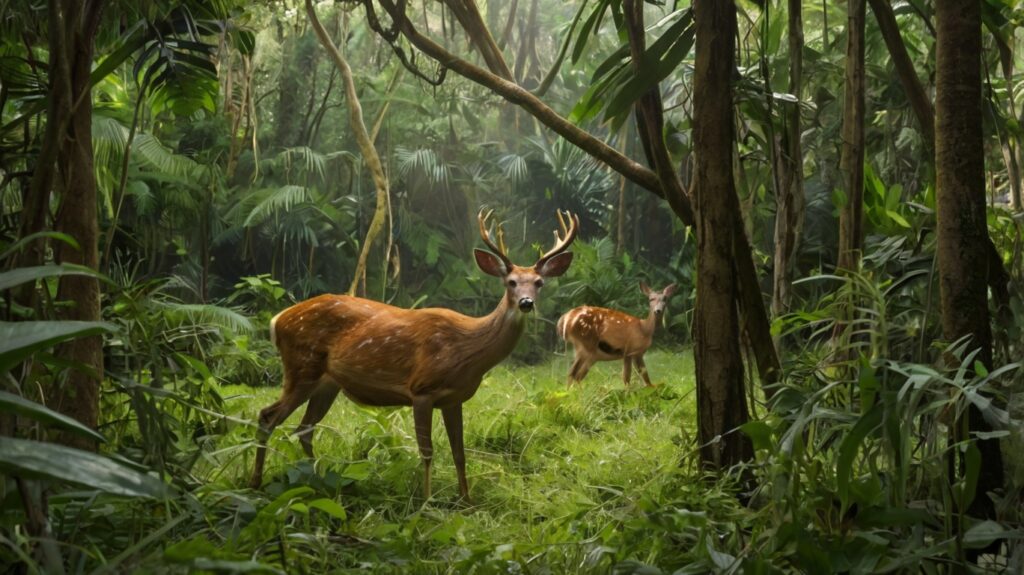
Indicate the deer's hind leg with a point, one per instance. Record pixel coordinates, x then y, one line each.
320 402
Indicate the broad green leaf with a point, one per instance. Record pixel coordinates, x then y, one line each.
40 460
984 533
18 276
660 60
330 507
10 403
759 432
590 25
19 340
20 244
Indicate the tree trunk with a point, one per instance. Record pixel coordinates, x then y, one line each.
963 242
851 214
355 112
721 402
77 217
789 212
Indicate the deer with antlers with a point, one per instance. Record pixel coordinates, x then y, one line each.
381 355
601 334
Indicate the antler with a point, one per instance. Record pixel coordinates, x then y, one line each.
499 249
570 224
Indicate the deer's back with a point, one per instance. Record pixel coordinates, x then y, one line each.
379 354
604 333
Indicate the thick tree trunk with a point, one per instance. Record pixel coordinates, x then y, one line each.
963 241
851 215
79 396
355 113
721 402
789 212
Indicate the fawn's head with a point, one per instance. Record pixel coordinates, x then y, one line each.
658 300
523 283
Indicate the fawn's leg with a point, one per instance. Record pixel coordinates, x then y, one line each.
627 370
642 368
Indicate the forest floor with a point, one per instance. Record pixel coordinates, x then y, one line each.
562 479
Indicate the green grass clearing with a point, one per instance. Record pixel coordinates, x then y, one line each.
559 477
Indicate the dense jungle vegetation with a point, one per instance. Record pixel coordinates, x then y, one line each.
834 188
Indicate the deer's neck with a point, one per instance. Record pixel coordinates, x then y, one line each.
649 323
494 336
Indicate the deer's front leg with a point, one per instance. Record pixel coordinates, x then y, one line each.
642 368
453 425
627 369
422 414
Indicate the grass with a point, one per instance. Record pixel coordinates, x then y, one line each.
562 480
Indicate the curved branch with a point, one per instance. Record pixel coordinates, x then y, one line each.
516 94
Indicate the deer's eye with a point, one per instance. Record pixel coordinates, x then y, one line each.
539 283
511 283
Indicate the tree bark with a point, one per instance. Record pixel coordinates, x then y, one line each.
789 212
77 217
355 112
851 163
721 402
963 241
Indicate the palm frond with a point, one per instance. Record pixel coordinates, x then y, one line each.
275 200
514 167
198 315
156 155
109 140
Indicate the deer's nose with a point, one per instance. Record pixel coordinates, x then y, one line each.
526 304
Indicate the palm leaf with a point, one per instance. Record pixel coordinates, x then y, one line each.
275 200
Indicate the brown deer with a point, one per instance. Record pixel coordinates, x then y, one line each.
600 334
378 355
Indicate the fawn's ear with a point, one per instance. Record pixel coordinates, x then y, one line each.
669 290
489 263
645 289
556 265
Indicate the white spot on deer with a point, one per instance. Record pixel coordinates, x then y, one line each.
365 343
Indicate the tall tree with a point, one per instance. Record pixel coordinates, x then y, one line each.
789 212
72 27
963 241
720 391
851 163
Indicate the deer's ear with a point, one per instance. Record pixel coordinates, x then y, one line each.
644 288
489 263
669 290
556 265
